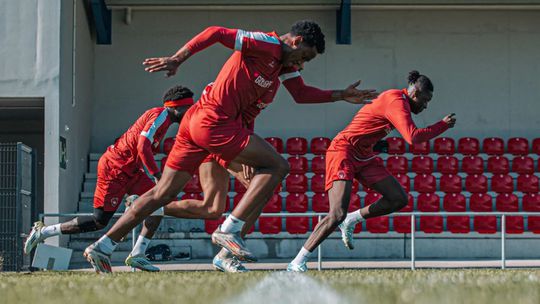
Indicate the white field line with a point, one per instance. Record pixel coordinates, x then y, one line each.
289 288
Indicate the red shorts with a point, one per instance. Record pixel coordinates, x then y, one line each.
343 165
113 184
204 131
212 157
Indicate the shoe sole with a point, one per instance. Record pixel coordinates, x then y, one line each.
94 265
234 250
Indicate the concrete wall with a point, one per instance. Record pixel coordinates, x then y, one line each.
484 65
76 98
29 67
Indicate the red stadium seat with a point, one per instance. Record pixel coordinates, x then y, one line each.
396 145
485 224
456 202
371 198
420 148
518 146
468 146
355 186
404 180
296 203
270 225
531 202
211 225
508 202
502 183
319 202
402 224
318 164
481 202
276 142
237 199
296 183
493 146
194 185
274 204
298 164
422 164
472 165
163 162
318 183
377 224
319 145
194 196
428 202
536 146
431 224
447 165
425 183
451 183
527 183
239 187
444 146
397 164
297 225
354 203
297 146
498 165
523 165
168 143
476 183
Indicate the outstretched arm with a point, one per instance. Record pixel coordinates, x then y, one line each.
206 38
303 93
401 119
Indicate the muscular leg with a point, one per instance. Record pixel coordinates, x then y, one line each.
393 198
166 190
339 196
270 168
82 224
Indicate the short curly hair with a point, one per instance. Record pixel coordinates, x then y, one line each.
311 32
177 92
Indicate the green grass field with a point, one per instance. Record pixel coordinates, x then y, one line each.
340 286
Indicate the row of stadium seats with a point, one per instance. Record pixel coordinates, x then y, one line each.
397 145
400 224
424 202
425 183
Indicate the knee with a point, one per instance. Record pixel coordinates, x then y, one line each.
399 201
163 195
282 168
215 212
337 216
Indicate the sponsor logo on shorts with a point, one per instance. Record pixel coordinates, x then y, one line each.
114 201
341 174
262 105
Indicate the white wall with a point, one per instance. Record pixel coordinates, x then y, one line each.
29 67
484 65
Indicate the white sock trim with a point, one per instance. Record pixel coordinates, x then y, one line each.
302 257
106 244
51 230
140 246
232 224
354 218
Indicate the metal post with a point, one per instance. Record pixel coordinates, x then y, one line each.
413 226
133 237
319 252
503 242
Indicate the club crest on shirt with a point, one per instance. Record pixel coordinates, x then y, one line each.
114 201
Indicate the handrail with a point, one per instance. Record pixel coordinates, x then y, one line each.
413 216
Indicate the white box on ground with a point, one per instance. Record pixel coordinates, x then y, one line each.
51 257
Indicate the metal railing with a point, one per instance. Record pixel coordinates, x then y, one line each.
412 215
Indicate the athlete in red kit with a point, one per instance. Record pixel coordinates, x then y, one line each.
350 156
121 171
215 124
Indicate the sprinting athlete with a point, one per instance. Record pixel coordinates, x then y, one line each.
121 171
214 125
350 156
